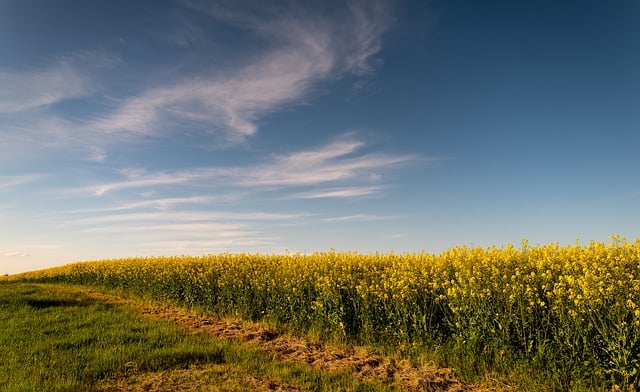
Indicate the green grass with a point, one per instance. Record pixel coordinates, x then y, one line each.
62 340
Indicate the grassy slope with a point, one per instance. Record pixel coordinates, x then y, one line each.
55 340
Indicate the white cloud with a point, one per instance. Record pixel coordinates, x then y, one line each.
190 216
165 203
207 246
228 103
329 164
369 21
161 204
304 47
33 125
335 162
25 90
184 33
361 218
166 231
152 180
97 154
346 192
176 229
301 48
184 232
7 182
348 32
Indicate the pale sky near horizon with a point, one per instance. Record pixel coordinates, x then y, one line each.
135 128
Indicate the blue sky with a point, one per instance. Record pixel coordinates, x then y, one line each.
193 127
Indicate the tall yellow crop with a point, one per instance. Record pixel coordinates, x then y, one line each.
576 305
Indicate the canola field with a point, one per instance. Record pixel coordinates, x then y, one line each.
571 311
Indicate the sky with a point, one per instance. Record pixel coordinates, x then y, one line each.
170 127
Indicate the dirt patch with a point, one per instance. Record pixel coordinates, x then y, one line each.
366 365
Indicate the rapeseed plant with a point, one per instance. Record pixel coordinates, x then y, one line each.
575 307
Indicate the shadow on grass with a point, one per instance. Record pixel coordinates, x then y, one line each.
180 359
57 303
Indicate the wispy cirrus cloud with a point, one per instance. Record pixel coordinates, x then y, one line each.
228 104
333 163
209 246
164 203
360 218
33 118
348 32
68 76
158 204
187 216
7 182
341 192
176 229
185 231
304 47
97 154
24 90
150 180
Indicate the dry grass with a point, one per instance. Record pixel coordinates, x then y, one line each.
209 377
